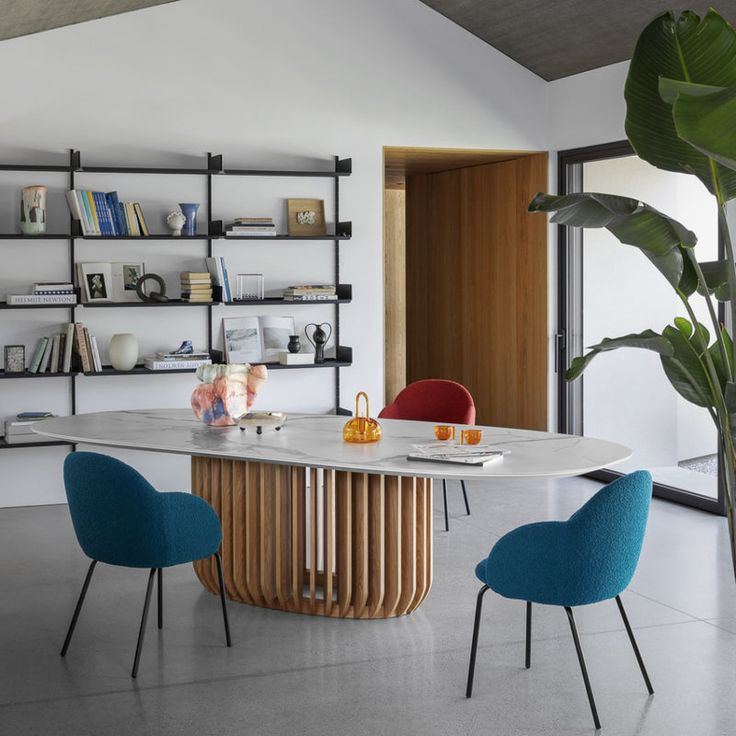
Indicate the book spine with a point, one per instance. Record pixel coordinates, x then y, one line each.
112 207
54 363
43 367
96 354
68 343
225 280
71 200
102 213
141 220
38 355
92 212
81 345
20 299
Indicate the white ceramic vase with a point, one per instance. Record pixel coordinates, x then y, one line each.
123 350
33 210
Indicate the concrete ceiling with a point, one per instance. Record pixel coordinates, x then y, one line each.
22 17
557 38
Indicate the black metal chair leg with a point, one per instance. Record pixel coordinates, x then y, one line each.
160 590
465 498
444 503
528 658
474 645
583 668
639 659
222 599
144 618
78 607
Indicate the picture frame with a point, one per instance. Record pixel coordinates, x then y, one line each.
241 337
306 216
95 282
125 277
15 358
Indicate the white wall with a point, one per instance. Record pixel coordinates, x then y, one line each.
282 83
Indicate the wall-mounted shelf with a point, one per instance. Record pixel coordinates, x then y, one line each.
214 231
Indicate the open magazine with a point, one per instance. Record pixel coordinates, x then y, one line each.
445 452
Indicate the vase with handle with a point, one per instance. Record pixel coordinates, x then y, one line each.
318 339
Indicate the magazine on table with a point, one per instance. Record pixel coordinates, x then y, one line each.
443 452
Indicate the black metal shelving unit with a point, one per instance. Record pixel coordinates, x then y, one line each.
215 232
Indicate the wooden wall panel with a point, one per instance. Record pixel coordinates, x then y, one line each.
476 286
394 279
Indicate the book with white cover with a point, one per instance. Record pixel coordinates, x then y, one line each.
179 365
20 299
445 452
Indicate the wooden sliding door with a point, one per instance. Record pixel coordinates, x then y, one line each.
476 286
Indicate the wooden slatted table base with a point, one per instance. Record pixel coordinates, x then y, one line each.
320 542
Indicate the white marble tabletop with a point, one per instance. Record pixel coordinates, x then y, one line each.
315 440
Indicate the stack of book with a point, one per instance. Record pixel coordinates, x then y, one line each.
251 227
196 286
218 272
19 429
46 292
54 354
103 214
163 361
311 293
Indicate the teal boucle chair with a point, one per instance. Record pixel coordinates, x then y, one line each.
591 557
121 519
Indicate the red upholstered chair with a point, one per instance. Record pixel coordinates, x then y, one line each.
434 400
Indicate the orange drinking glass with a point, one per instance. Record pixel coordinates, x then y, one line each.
444 432
471 436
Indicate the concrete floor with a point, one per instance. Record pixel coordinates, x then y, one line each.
290 674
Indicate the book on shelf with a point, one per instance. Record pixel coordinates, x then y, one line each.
310 293
310 297
196 286
30 299
48 288
218 271
443 452
38 352
167 365
200 355
101 213
253 221
68 345
251 234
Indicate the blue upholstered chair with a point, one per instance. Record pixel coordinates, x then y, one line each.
121 519
591 557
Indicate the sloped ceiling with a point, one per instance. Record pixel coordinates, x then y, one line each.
557 38
22 17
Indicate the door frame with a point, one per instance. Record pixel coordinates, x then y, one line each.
570 312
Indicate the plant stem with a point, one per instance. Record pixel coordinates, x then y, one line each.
731 267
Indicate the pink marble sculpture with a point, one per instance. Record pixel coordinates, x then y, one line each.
227 392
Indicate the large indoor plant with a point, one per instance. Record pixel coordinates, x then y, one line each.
680 116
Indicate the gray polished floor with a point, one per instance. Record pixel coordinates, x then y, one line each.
290 674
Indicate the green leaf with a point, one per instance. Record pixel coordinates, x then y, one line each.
706 123
716 278
669 89
684 368
686 49
730 394
684 326
715 354
647 340
659 237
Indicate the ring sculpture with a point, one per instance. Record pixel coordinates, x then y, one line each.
154 296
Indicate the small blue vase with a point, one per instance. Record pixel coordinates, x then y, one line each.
189 210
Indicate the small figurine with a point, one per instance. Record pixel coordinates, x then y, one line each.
175 220
185 348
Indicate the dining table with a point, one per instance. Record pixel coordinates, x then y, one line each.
312 524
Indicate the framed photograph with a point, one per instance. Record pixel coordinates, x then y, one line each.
306 216
95 281
275 333
242 340
125 280
15 358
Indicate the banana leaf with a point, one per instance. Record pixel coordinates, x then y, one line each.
659 237
686 49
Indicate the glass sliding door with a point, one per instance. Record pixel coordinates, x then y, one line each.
608 289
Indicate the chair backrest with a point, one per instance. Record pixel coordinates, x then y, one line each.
608 533
117 514
432 400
